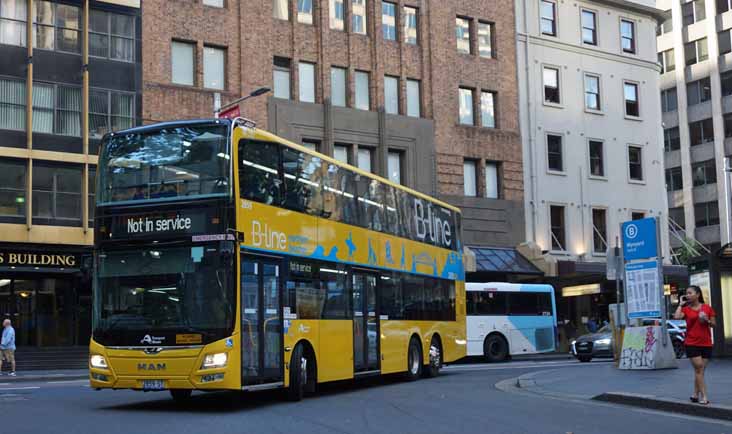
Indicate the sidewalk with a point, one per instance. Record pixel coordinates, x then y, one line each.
53 375
666 390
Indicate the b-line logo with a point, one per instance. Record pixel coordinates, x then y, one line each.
631 231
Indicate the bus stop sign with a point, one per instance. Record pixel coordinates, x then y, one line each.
639 239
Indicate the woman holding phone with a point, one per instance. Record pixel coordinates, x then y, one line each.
699 318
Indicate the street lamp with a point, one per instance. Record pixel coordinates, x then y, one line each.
255 93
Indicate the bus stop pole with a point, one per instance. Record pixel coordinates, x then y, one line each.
659 258
617 330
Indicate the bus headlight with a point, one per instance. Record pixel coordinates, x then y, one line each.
217 360
98 361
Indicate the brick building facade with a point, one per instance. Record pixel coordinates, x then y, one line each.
429 48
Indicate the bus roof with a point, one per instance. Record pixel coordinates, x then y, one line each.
508 287
266 135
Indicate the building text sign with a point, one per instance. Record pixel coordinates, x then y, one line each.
35 259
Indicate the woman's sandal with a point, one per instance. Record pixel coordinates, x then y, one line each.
694 399
704 402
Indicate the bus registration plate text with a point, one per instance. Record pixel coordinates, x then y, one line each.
153 384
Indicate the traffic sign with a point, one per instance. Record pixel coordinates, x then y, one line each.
639 239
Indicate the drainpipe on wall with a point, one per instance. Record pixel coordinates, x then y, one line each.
530 127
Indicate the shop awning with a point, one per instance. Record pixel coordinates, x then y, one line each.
502 260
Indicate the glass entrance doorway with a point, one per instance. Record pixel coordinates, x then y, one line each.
46 311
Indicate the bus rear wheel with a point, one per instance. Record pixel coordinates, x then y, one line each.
433 368
414 360
495 348
181 396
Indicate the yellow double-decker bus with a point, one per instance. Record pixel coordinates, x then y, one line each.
227 258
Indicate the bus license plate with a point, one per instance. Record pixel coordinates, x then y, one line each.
153 384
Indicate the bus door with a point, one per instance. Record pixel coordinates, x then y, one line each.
261 321
365 322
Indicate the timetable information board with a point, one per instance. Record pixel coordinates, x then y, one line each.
642 290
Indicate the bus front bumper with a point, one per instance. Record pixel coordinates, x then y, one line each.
167 369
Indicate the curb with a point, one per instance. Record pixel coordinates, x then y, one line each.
50 377
656 403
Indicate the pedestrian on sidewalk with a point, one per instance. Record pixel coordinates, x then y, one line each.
7 346
699 318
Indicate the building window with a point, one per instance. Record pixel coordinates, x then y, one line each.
411 20
706 214
44 97
704 173
487 109
548 18
696 51
57 192
693 12
597 158
44 31
67 28
723 6
183 60
485 39
698 91
466 106
556 217
110 35
281 77
555 157
635 163
12 188
311 144
726 79
462 34
306 76
671 139
214 63
701 132
727 119
394 163
669 101
110 111
666 26
491 180
551 85
280 9
592 92
68 110
338 86
362 91
364 159
305 11
391 95
214 3
676 215
358 16
627 36
637 215
632 108
599 230
725 45
12 104
13 14
667 61
337 14
589 27
388 21
413 98
470 185
340 153
674 180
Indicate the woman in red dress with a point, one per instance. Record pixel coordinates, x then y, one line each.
699 318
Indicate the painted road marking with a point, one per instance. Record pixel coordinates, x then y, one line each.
67 381
536 365
19 388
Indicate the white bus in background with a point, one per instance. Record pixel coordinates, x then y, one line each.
507 319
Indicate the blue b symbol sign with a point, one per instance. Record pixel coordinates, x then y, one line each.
639 239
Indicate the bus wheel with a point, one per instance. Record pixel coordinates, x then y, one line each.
433 368
298 374
181 395
495 348
414 360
